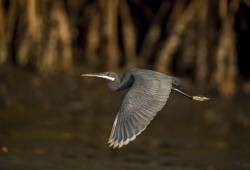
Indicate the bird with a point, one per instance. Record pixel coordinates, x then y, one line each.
147 93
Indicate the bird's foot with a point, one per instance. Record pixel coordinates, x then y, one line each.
200 98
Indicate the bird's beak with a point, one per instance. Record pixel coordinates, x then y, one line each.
100 75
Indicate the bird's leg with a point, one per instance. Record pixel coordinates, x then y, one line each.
197 98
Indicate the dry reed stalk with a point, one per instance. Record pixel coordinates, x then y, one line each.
33 19
32 35
93 37
202 51
223 5
154 33
10 22
3 45
177 12
226 70
61 18
225 66
170 45
110 11
188 51
128 32
188 48
187 56
47 61
57 51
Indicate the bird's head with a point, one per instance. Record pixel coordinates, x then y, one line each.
106 75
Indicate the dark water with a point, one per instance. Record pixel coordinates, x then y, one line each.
63 122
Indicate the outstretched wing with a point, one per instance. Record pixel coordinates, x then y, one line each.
146 97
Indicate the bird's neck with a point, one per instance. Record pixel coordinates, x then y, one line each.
114 85
121 84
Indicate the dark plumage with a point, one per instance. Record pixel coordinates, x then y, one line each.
148 93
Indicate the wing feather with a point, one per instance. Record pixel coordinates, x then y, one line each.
146 97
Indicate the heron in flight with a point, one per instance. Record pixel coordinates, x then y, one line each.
148 92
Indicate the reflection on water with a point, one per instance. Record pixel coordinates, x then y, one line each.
62 123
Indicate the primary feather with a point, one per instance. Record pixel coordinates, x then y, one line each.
147 96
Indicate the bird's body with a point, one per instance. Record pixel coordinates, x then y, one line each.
148 92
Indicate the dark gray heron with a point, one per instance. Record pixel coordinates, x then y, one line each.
148 92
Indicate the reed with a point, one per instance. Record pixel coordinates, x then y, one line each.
195 38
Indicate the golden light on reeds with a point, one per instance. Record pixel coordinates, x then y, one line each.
46 36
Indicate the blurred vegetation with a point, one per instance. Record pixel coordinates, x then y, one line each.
195 38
